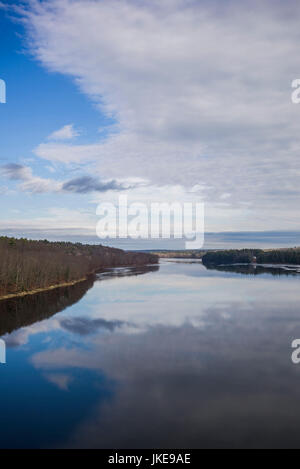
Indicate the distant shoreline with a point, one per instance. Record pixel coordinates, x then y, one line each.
279 256
286 256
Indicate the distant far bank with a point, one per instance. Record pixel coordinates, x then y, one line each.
253 256
165 254
236 256
217 240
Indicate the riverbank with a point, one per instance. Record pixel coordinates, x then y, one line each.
40 290
29 267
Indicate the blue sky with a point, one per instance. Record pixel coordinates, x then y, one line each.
38 103
163 101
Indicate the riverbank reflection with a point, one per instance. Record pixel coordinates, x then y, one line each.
182 357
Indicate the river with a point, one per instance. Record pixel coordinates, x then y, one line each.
168 356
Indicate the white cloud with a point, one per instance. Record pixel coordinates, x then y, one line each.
200 92
30 183
67 132
54 223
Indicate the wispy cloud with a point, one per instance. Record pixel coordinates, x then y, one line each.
30 183
199 92
68 132
198 96
16 172
80 185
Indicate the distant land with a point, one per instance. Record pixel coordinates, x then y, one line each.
236 256
29 267
258 256
218 240
185 254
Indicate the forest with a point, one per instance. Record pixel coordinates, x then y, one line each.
246 256
28 265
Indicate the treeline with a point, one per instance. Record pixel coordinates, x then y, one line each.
192 254
27 265
280 256
232 256
246 256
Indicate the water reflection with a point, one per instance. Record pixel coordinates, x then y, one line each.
24 311
180 357
118 272
86 326
20 312
253 269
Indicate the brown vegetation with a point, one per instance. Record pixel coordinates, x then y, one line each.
29 265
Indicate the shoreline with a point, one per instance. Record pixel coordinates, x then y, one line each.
40 290
32 267
35 291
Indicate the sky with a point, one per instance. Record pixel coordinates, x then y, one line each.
164 101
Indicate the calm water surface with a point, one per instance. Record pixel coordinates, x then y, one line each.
178 356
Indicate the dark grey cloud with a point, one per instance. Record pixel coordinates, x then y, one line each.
15 172
85 184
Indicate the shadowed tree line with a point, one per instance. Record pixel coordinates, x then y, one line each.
28 265
24 311
246 256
